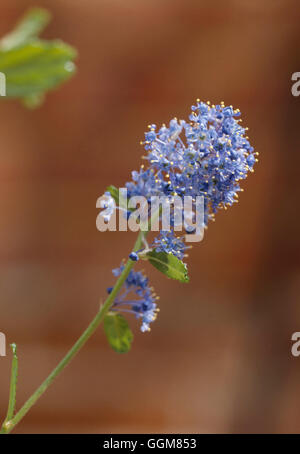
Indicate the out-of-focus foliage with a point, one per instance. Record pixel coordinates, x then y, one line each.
33 66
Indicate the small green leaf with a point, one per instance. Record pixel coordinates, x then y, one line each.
33 66
36 67
118 332
30 26
169 265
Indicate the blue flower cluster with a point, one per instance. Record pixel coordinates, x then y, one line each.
143 305
170 243
206 156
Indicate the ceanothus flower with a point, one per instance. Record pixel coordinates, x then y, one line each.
168 242
206 156
136 298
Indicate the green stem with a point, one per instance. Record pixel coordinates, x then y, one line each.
13 385
10 424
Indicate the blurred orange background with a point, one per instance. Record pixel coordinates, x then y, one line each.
218 357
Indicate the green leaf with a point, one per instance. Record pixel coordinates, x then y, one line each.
118 332
33 66
30 26
36 67
169 265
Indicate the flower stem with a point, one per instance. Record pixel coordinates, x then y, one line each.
9 424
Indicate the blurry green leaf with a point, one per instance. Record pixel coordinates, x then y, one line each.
33 101
30 26
169 265
36 67
118 332
33 66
